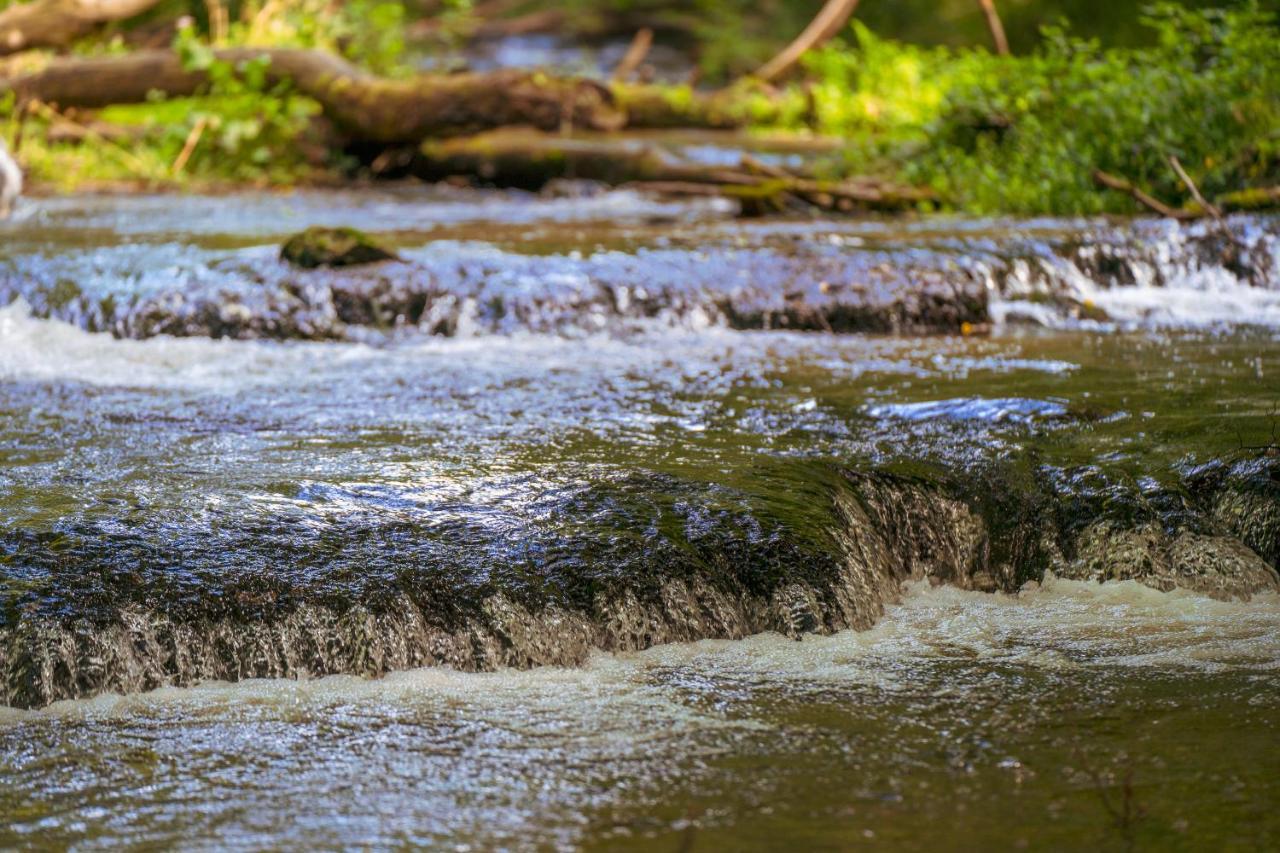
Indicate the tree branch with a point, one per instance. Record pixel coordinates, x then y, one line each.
829 21
368 109
58 23
996 27
1151 203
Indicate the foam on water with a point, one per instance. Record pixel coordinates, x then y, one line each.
1162 275
37 350
1059 625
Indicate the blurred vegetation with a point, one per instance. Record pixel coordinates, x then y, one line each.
732 37
1023 134
913 90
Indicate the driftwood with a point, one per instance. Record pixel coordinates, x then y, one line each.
526 158
58 23
366 108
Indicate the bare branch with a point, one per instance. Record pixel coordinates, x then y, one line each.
829 21
58 23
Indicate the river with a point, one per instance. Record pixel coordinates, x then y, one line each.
597 521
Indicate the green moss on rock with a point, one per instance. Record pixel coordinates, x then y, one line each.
333 247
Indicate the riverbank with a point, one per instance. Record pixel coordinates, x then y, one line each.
1066 130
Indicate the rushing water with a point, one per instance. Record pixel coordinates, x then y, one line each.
963 720
563 427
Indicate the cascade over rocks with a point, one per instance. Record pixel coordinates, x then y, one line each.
618 565
799 287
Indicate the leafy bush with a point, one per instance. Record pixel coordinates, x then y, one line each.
1023 134
252 125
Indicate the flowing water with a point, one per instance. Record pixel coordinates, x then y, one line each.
600 521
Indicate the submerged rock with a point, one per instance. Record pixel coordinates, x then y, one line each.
333 247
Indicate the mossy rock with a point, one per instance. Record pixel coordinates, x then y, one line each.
333 247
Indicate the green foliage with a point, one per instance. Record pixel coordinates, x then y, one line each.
249 126
1023 134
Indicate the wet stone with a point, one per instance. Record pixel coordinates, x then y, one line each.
333 247
518 447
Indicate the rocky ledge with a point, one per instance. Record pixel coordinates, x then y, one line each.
618 562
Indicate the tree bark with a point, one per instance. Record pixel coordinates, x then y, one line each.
58 23
367 109
829 21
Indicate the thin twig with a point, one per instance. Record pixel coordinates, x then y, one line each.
1193 189
636 52
189 147
828 22
996 27
1150 202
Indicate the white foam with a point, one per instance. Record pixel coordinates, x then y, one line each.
39 350
1057 625
1172 287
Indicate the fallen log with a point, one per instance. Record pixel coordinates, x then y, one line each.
366 108
58 23
374 110
526 158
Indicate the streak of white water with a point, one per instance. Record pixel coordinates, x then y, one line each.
1060 625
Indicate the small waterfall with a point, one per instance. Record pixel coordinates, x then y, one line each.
1144 274
103 624
1151 274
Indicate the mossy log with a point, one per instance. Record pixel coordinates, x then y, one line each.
527 158
1253 199
374 110
681 106
366 108
58 23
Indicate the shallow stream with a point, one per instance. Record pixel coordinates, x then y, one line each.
597 443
